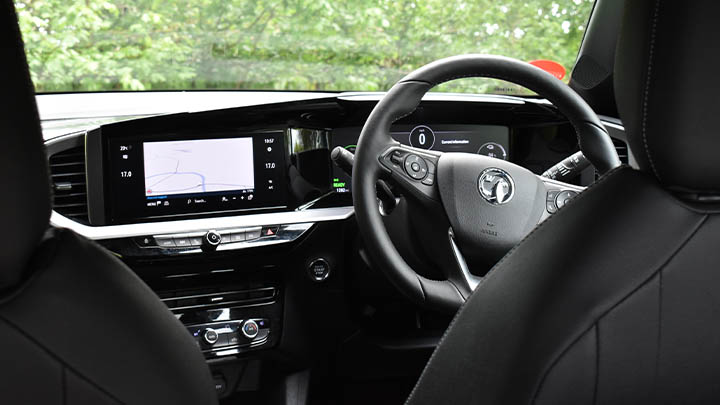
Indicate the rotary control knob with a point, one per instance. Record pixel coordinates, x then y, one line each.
210 336
250 329
211 240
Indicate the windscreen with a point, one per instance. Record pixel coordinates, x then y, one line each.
301 45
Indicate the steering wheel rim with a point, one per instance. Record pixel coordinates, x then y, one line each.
402 99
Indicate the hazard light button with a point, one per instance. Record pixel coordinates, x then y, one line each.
269 231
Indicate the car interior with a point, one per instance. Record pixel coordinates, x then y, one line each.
363 247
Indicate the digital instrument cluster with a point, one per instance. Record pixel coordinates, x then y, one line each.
488 140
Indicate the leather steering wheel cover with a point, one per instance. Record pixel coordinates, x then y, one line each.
374 138
402 99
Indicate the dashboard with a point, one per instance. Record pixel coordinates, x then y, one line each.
269 164
150 175
242 225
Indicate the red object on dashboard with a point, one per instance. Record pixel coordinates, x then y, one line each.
550 66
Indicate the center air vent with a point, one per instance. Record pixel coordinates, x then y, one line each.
67 171
181 301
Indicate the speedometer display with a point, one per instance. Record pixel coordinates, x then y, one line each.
422 137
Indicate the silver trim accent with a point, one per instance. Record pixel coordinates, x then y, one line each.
247 302
612 125
211 341
561 185
309 205
218 294
236 349
471 280
202 224
286 233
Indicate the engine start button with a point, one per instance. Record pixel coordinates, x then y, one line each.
319 270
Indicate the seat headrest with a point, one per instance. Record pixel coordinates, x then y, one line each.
25 201
666 82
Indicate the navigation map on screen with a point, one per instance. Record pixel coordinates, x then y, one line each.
198 166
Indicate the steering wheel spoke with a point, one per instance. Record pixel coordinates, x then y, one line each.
413 170
462 274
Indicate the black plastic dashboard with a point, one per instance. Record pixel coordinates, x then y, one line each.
287 267
275 158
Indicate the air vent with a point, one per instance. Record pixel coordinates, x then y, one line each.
622 151
182 301
67 171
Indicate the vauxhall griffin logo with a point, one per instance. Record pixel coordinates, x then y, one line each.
496 186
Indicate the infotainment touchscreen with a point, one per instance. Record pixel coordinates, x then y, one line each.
186 174
175 168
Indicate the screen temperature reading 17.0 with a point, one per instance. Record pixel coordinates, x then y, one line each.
198 166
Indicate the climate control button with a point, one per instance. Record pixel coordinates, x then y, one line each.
250 329
210 336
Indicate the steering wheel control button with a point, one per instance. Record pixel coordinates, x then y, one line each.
211 240
564 197
551 207
397 157
210 336
416 167
422 137
552 195
319 270
496 186
250 329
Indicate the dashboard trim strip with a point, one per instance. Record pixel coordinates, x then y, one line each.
201 224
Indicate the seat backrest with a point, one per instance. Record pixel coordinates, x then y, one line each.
615 299
76 325
25 205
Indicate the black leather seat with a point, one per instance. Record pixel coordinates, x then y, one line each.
615 300
76 325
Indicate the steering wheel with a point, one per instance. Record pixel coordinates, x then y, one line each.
489 204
